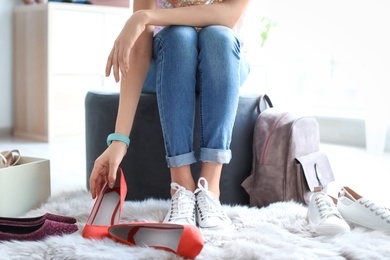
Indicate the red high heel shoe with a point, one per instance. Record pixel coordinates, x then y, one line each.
183 240
107 209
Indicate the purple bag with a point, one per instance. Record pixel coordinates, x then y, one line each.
287 161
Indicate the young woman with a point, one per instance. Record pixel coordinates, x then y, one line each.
178 49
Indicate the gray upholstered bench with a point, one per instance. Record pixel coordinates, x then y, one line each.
144 165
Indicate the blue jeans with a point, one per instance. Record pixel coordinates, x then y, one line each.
186 62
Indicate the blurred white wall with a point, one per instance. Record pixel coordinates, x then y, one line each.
6 7
327 58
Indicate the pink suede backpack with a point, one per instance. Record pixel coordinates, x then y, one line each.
287 161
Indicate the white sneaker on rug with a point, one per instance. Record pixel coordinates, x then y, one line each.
361 211
324 216
209 209
182 210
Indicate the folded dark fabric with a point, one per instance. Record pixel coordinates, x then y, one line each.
36 220
37 231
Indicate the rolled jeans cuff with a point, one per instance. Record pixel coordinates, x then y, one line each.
181 160
215 155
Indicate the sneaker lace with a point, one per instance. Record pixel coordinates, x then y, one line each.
209 206
183 202
325 207
379 210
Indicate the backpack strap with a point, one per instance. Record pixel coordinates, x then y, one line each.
263 102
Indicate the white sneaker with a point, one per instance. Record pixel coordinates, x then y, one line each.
324 216
209 209
182 209
364 212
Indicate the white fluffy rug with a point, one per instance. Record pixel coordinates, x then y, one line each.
279 231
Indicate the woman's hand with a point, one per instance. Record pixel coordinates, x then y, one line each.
119 56
106 166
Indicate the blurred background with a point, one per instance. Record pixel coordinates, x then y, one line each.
326 58
329 59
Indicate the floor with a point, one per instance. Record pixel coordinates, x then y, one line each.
366 173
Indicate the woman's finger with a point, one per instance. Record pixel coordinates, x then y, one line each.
109 62
112 175
94 180
115 66
122 60
126 60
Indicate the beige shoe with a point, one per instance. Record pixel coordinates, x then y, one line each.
9 158
361 211
3 161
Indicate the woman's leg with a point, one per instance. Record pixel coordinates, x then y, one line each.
176 56
219 80
221 72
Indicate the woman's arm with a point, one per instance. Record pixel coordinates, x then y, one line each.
141 44
139 63
130 88
226 13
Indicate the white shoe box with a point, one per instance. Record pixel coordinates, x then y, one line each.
24 186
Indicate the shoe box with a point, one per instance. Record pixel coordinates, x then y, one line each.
24 186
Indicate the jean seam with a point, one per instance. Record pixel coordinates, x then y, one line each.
200 105
160 56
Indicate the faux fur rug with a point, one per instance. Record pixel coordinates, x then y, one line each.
279 231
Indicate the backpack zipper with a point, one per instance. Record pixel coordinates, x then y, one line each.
269 137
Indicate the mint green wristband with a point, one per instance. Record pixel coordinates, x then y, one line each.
118 137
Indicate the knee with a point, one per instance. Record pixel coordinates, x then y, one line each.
178 38
219 38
